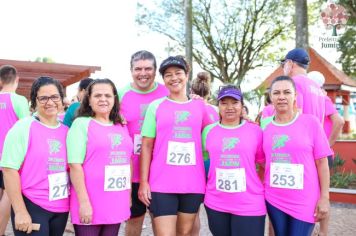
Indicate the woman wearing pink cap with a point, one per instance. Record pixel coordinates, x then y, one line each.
172 172
297 173
234 198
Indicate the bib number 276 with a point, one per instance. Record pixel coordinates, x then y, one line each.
181 154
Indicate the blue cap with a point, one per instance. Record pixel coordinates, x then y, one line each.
172 61
299 55
230 92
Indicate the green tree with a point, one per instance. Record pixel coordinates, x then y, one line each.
347 42
44 59
231 37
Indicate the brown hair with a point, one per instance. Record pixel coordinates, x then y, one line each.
201 84
85 109
8 74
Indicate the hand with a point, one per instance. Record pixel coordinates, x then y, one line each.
85 213
144 193
322 209
23 222
195 97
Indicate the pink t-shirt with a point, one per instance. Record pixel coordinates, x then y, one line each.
310 97
282 145
133 105
268 111
238 147
177 164
37 151
329 110
99 147
212 112
12 108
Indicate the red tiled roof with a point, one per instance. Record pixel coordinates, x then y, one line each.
333 76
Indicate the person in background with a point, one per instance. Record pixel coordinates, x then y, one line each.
35 166
201 86
333 124
134 99
234 198
12 108
297 175
99 152
72 109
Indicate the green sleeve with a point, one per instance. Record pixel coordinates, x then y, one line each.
77 140
264 122
16 144
204 136
149 123
121 92
20 104
70 114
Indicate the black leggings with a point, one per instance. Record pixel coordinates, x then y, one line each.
52 223
97 230
226 224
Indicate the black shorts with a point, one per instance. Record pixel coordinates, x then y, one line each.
165 204
2 184
137 208
330 162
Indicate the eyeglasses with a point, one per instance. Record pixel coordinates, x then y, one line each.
44 99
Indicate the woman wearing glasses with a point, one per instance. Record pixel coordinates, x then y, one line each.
234 198
99 155
297 173
172 173
34 163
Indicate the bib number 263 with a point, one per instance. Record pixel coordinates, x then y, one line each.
117 178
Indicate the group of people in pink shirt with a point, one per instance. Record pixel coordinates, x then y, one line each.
159 148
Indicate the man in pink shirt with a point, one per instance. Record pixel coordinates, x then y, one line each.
310 98
134 99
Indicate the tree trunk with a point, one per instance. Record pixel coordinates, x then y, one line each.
301 21
188 35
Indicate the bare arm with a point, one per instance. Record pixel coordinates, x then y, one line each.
145 162
23 221
78 181
338 122
323 205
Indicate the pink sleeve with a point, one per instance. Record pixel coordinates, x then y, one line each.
299 89
321 147
206 118
329 107
260 156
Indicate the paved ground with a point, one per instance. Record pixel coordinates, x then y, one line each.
343 223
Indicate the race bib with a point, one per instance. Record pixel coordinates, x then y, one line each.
284 175
231 180
181 154
117 178
137 144
58 186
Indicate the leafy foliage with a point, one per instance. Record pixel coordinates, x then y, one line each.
231 37
347 42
